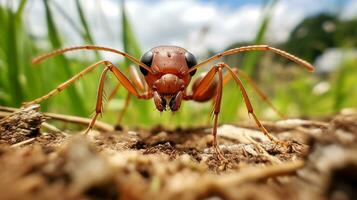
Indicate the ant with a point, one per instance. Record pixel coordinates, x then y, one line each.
167 72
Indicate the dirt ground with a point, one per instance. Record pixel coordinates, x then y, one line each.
319 163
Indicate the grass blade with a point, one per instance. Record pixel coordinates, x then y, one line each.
12 60
87 34
75 99
249 63
340 90
132 47
21 8
4 96
71 22
130 42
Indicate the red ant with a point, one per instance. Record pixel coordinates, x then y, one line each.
168 71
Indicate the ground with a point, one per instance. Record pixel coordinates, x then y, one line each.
320 161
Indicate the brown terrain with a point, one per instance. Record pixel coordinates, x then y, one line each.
319 163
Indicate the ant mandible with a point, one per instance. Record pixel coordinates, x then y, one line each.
167 72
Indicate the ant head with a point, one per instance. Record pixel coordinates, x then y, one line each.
170 76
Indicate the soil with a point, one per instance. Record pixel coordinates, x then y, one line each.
320 161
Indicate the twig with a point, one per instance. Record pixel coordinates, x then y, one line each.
258 173
245 175
209 183
80 120
246 136
66 118
23 142
53 128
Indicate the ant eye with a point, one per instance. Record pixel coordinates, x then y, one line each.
191 61
147 60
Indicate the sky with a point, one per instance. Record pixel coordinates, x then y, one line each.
237 3
197 25
234 3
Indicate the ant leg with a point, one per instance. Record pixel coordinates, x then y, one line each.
217 109
204 95
125 108
89 47
123 81
64 85
99 103
285 54
109 66
248 104
202 88
126 104
203 91
138 79
114 92
140 84
211 89
255 87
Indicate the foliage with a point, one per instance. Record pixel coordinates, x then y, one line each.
317 33
291 89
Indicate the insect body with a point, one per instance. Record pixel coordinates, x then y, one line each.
167 72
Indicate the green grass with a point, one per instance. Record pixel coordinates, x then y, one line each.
131 46
249 63
65 72
291 90
344 89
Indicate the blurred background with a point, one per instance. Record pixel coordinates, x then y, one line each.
321 32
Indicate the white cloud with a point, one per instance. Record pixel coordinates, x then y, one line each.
195 25
181 23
